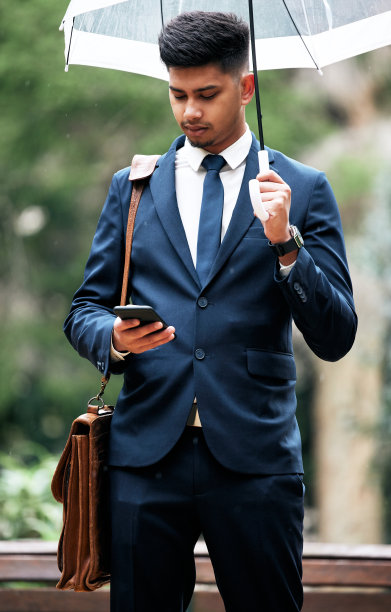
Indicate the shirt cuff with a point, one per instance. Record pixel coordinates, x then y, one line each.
117 355
285 270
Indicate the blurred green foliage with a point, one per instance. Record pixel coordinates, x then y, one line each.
26 504
62 135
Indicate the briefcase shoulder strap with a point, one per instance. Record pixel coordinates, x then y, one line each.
141 170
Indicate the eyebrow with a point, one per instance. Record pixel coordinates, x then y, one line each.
206 88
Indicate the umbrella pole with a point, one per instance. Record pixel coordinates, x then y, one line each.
256 83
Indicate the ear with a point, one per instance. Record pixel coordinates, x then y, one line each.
247 88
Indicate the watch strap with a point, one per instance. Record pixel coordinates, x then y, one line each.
295 242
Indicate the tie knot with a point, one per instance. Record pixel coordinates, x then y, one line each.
213 162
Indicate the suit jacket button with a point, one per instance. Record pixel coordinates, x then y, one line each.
297 287
199 353
202 302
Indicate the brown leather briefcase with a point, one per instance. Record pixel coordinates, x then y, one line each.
80 483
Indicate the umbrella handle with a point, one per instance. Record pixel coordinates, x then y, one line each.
255 194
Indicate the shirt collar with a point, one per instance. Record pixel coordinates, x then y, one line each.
234 155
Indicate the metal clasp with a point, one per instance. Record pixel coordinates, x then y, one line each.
98 398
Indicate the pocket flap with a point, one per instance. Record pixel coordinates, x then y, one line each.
271 364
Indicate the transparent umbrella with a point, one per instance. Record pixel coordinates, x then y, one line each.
284 33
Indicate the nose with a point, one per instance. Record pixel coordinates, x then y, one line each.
192 111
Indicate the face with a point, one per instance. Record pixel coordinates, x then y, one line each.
209 104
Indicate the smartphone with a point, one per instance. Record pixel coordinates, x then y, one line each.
145 314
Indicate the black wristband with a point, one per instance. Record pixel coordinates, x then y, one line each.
283 248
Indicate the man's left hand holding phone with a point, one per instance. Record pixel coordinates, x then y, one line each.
138 329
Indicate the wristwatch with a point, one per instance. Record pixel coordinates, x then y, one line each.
296 242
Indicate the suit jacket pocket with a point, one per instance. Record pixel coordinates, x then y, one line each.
271 364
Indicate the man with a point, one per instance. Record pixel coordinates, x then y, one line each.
204 437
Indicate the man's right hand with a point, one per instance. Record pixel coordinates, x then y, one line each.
130 336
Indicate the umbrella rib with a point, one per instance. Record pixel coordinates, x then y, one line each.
301 37
69 48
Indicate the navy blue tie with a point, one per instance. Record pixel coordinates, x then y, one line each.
209 230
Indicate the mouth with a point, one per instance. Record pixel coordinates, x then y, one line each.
194 131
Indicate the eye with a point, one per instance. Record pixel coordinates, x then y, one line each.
209 97
178 96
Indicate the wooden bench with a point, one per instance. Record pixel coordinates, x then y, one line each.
336 578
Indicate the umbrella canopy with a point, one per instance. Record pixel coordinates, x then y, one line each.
288 33
284 34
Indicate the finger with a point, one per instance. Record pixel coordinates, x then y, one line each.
268 196
266 187
145 330
270 176
154 340
276 198
156 335
124 324
133 334
155 344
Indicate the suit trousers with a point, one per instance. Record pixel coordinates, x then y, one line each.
252 526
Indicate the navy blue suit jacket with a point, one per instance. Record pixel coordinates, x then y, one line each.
233 349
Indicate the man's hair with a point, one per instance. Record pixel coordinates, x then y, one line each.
198 38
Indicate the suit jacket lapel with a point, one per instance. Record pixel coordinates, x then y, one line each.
162 187
243 214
